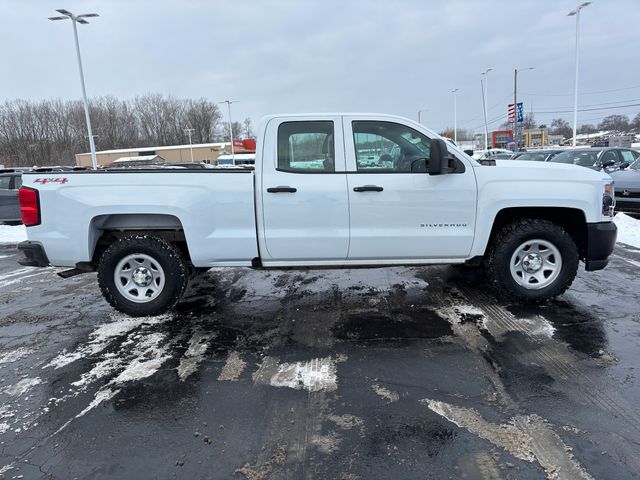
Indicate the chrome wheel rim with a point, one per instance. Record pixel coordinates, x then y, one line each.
139 278
536 264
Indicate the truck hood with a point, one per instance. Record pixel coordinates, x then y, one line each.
525 170
626 179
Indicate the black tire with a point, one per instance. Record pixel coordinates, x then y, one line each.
169 258
497 262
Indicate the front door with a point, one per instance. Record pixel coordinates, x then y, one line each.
397 210
304 191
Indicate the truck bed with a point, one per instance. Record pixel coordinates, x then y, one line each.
213 207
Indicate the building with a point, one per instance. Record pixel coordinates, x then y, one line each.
202 152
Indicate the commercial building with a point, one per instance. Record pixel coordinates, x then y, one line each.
202 152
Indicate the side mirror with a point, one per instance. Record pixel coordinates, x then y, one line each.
438 157
608 163
623 165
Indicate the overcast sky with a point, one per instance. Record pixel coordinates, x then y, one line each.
283 56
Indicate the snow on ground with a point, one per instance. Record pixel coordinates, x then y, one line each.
628 230
12 233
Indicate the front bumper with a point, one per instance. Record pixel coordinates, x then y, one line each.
601 239
34 254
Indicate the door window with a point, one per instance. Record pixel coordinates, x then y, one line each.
609 155
387 147
306 147
4 182
17 182
628 156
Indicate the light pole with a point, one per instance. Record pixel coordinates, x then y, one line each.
576 12
455 116
66 14
189 131
233 152
419 115
486 102
516 136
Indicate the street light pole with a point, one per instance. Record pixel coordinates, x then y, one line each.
189 132
66 14
486 108
576 12
455 116
233 152
516 136
419 118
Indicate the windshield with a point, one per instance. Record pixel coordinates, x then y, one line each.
533 156
576 157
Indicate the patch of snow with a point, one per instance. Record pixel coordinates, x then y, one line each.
21 387
14 355
4 426
628 230
99 339
313 375
193 357
12 233
233 368
148 361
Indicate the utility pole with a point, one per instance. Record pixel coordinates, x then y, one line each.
66 14
455 117
576 12
516 135
233 152
189 131
419 117
485 100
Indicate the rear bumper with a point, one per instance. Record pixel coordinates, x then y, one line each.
34 254
601 239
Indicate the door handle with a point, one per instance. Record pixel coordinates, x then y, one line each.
368 188
282 189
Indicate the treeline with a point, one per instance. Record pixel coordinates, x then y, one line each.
51 132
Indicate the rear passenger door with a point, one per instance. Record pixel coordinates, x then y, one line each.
305 211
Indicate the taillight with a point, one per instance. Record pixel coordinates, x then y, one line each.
29 206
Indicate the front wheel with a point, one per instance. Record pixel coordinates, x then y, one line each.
142 275
532 260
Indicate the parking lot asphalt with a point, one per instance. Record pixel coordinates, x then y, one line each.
396 373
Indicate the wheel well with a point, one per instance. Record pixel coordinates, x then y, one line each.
571 219
106 229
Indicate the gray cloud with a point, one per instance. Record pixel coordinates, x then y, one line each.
362 55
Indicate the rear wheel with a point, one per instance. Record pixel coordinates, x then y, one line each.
142 275
532 260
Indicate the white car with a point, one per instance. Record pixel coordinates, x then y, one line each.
328 190
489 154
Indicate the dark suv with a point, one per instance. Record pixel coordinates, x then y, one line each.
10 182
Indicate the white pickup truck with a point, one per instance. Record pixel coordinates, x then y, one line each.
340 190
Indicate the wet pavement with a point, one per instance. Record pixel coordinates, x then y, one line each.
396 373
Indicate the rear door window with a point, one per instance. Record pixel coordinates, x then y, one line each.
306 147
17 182
4 182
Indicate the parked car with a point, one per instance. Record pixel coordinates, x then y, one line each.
489 154
627 189
502 156
10 182
536 155
607 159
316 199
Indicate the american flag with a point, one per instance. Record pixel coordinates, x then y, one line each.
512 112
